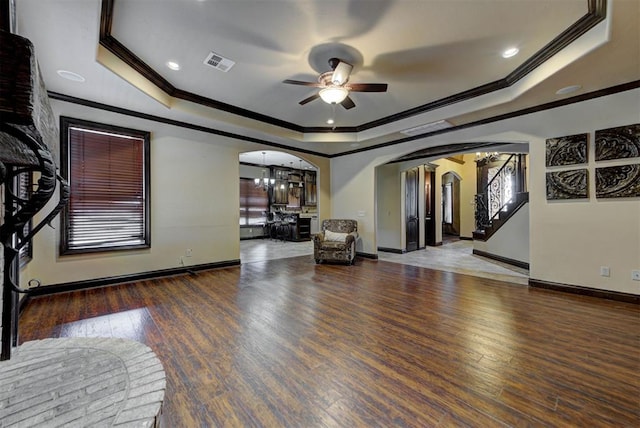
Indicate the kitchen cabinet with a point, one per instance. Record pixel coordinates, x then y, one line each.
310 189
280 195
300 229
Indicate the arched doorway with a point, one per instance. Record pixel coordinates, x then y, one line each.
278 204
450 205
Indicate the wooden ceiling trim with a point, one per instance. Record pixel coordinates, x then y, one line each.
597 10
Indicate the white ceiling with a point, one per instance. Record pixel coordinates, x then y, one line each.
425 50
275 157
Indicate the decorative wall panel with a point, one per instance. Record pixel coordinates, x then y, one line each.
570 150
572 184
618 143
618 181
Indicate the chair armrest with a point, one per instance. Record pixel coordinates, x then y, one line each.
318 238
351 237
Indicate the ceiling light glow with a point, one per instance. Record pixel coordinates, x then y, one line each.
173 65
70 75
568 89
333 94
510 52
330 121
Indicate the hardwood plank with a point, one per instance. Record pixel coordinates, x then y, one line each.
290 343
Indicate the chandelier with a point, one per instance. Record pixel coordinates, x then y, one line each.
487 156
265 181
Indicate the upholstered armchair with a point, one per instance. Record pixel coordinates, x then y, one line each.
336 241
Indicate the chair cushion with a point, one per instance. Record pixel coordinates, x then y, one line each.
334 236
334 246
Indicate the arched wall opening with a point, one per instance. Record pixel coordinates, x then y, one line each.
274 184
391 194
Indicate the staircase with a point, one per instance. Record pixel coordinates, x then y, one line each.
504 214
504 194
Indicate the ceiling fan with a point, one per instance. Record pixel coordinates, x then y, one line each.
335 89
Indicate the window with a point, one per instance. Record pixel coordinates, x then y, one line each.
447 203
108 171
254 201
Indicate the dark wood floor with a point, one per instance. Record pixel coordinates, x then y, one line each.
291 343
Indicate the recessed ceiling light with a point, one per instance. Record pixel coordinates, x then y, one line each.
70 75
330 121
510 52
173 65
568 89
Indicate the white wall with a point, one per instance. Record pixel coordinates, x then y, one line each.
511 240
194 204
569 241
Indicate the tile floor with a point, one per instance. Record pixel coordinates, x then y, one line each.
455 256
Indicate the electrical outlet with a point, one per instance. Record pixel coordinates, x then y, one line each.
188 252
635 274
604 271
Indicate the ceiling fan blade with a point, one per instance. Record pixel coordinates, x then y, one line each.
309 99
341 73
300 82
348 103
367 87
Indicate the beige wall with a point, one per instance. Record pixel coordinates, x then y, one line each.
569 240
389 202
511 241
194 204
353 193
467 173
390 180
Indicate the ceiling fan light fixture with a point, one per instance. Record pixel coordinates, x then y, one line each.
333 94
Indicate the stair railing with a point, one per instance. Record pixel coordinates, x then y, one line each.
500 191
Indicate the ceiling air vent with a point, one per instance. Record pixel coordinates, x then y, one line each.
427 127
218 62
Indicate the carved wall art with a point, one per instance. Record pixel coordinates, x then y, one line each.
570 150
572 184
618 143
618 181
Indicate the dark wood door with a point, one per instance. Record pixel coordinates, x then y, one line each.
411 209
430 203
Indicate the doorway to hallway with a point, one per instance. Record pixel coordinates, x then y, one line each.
450 205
